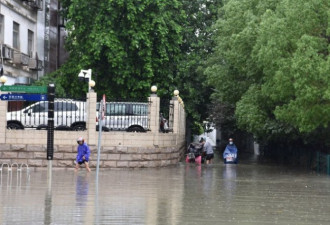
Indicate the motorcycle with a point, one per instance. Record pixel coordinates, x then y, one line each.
194 153
230 159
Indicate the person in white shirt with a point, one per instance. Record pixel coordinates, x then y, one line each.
208 149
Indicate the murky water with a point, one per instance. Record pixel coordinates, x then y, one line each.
246 193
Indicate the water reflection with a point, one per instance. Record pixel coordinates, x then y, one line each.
82 185
81 198
48 207
208 180
185 194
229 181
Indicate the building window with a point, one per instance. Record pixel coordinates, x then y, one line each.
15 35
1 29
30 43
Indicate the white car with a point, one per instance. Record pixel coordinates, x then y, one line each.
128 116
68 115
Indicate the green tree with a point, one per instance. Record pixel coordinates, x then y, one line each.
130 44
52 79
133 44
295 59
232 69
272 61
196 48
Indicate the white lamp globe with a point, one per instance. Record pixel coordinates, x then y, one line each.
91 83
3 79
153 89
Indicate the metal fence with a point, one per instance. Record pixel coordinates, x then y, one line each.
128 116
166 116
69 114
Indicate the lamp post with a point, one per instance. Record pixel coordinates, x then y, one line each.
86 75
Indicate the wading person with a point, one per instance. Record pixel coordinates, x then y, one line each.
83 154
208 149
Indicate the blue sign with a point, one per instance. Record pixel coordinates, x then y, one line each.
23 97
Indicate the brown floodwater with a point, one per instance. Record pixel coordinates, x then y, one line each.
247 193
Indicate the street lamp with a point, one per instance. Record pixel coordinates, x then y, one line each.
154 90
91 84
86 75
3 79
176 95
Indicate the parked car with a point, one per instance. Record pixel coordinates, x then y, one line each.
129 116
68 115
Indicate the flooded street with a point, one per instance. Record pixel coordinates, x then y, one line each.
247 193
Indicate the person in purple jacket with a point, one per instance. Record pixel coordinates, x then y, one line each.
83 154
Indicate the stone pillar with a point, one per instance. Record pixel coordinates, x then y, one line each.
154 106
182 120
91 118
176 116
3 120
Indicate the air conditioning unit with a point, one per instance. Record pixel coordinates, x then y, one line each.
17 57
24 59
20 58
7 52
37 4
33 63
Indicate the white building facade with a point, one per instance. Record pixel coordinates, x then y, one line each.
22 31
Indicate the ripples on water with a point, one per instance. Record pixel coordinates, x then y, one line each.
185 194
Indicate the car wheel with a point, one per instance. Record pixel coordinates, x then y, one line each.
105 129
79 127
63 127
14 126
42 127
135 129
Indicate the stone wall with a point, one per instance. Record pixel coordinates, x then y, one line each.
110 157
118 149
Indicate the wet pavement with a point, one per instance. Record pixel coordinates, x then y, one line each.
247 193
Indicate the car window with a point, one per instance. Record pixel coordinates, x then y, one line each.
40 107
124 109
116 109
139 109
71 106
65 106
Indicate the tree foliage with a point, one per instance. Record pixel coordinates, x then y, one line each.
130 44
196 48
272 61
133 44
